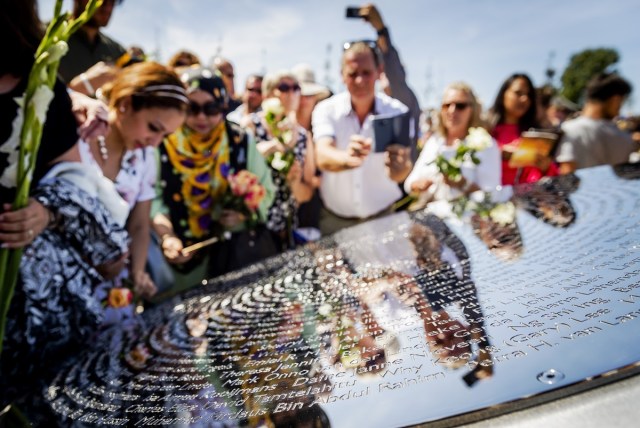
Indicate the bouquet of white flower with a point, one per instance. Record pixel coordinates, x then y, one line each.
280 127
477 140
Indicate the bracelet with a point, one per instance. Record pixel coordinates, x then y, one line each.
87 84
383 31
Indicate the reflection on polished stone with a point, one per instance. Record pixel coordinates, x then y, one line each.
402 320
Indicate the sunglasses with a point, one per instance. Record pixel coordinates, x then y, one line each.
283 87
457 106
211 108
370 43
255 90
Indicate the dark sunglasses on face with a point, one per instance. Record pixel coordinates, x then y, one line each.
457 106
209 109
255 90
283 87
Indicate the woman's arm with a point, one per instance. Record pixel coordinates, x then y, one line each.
138 226
301 179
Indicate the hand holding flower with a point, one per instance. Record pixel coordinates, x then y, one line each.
294 176
231 219
20 227
421 185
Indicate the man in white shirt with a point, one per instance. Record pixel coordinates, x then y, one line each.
357 184
593 138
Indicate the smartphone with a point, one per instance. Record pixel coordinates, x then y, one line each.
353 12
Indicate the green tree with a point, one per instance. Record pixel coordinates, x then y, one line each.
582 67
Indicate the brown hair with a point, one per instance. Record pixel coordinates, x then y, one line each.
149 85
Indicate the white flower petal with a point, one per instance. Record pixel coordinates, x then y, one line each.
40 102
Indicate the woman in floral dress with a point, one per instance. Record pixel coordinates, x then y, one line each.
294 178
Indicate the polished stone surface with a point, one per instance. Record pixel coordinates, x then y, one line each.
403 320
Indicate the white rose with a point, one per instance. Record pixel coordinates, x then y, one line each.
274 106
278 163
40 102
478 139
503 214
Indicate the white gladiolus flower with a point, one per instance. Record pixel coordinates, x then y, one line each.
40 102
57 51
9 176
503 214
478 139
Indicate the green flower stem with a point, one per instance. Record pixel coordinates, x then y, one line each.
43 72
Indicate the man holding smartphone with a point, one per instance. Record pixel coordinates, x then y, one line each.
394 71
357 184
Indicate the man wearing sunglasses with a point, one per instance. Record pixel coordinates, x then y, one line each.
357 183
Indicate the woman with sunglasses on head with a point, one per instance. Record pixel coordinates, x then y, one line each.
297 185
460 111
195 164
147 102
515 111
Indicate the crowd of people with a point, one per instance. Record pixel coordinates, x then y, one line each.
141 166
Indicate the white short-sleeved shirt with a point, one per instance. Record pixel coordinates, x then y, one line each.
136 179
367 190
591 142
487 174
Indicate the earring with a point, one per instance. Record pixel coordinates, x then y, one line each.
122 109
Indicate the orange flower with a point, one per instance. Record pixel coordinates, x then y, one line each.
254 196
119 297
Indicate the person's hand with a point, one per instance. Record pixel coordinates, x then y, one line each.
455 184
112 269
542 162
357 150
398 163
143 285
294 175
20 227
92 116
421 185
172 250
370 14
99 74
230 218
269 147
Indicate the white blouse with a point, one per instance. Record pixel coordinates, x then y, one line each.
136 179
487 174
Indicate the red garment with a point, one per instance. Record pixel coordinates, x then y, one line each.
506 133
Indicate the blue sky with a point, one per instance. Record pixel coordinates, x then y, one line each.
440 41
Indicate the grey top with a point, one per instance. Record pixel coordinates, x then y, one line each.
591 142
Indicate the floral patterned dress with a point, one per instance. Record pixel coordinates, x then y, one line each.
284 208
135 182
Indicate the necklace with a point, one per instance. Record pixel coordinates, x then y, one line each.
104 153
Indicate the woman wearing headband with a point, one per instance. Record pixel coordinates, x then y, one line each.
146 102
195 163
